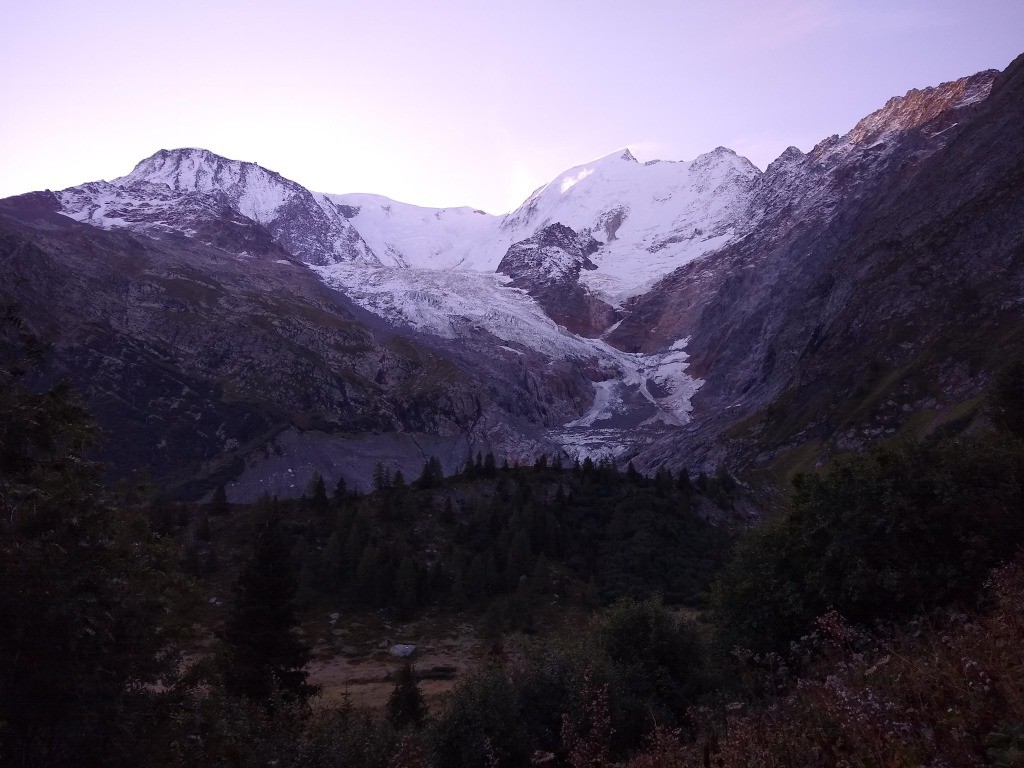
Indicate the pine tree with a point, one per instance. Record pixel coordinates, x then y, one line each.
366 574
407 585
519 559
1006 399
476 579
381 477
219 502
340 491
406 706
319 502
261 654
331 562
432 475
91 603
683 482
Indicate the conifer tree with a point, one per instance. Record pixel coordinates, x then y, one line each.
476 580
432 475
407 585
331 562
683 482
490 465
340 491
366 574
406 707
519 559
92 605
1006 399
261 655
381 477
319 502
219 502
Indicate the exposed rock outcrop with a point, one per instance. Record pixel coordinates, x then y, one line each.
548 266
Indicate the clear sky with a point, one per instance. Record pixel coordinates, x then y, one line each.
460 103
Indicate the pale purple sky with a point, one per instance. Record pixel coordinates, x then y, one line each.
460 103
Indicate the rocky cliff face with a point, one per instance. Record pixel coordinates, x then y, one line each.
548 266
870 297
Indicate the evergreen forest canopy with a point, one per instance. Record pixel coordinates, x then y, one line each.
884 598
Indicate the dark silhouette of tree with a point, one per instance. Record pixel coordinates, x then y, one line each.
1006 399
407 586
261 654
91 603
340 491
683 481
319 501
406 707
490 465
432 475
219 502
381 477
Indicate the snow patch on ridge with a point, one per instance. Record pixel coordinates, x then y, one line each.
404 235
256 192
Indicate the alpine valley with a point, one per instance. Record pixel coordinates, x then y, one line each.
226 325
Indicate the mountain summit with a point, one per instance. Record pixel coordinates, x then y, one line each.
240 326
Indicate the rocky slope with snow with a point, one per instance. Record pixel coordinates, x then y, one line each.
232 323
177 189
860 305
650 218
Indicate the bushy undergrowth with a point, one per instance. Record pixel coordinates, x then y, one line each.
879 536
943 691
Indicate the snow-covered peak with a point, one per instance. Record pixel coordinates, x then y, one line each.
606 195
649 217
253 190
175 188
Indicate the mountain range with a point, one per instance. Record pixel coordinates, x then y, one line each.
227 325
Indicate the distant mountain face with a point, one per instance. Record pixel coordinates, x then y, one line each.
650 218
227 323
171 189
876 294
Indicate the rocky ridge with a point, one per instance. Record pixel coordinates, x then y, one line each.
236 324
846 316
